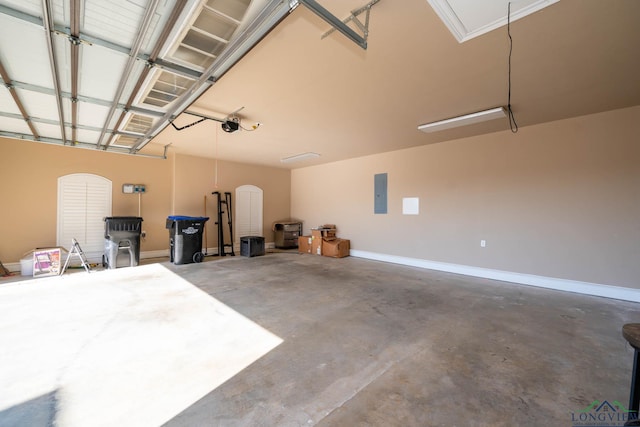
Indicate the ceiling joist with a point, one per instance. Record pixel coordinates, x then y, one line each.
89 146
148 69
135 50
85 39
264 22
75 66
175 14
48 25
49 121
12 90
82 98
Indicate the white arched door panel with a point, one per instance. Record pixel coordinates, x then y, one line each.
249 199
83 202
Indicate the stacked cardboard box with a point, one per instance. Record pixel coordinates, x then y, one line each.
304 244
323 241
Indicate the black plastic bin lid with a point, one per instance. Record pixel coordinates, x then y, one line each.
187 218
123 218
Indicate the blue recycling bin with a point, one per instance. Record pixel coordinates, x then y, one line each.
185 238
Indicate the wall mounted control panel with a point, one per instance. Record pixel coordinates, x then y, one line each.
133 188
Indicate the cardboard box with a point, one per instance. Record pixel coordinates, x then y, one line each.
328 231
324 231
336 248
320 234
46 262
304 244
316 242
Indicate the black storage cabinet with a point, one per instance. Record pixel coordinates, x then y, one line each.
252 246
185 238
121 233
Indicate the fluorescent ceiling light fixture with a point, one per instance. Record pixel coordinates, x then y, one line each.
299 157
468 119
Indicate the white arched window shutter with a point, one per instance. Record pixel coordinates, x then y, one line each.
249 199
83 202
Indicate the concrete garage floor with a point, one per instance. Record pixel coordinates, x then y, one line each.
351 342
369 343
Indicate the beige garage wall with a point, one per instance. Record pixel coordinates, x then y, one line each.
559 200
28 187
196 179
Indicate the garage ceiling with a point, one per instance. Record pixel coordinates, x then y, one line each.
111 74
139 64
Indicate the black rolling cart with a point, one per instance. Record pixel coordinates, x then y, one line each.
185 238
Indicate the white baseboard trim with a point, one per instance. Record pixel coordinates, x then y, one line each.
15 267
586 288
96 258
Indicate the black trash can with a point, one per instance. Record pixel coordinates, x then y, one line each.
121 233
185 238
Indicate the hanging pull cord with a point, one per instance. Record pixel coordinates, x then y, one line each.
512 119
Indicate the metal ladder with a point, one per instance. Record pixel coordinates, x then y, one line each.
77 251
222 246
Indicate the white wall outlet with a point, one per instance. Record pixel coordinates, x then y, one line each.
483 243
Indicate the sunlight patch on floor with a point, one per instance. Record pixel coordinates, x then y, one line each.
127 347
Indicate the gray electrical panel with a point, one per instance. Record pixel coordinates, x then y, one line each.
380 196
